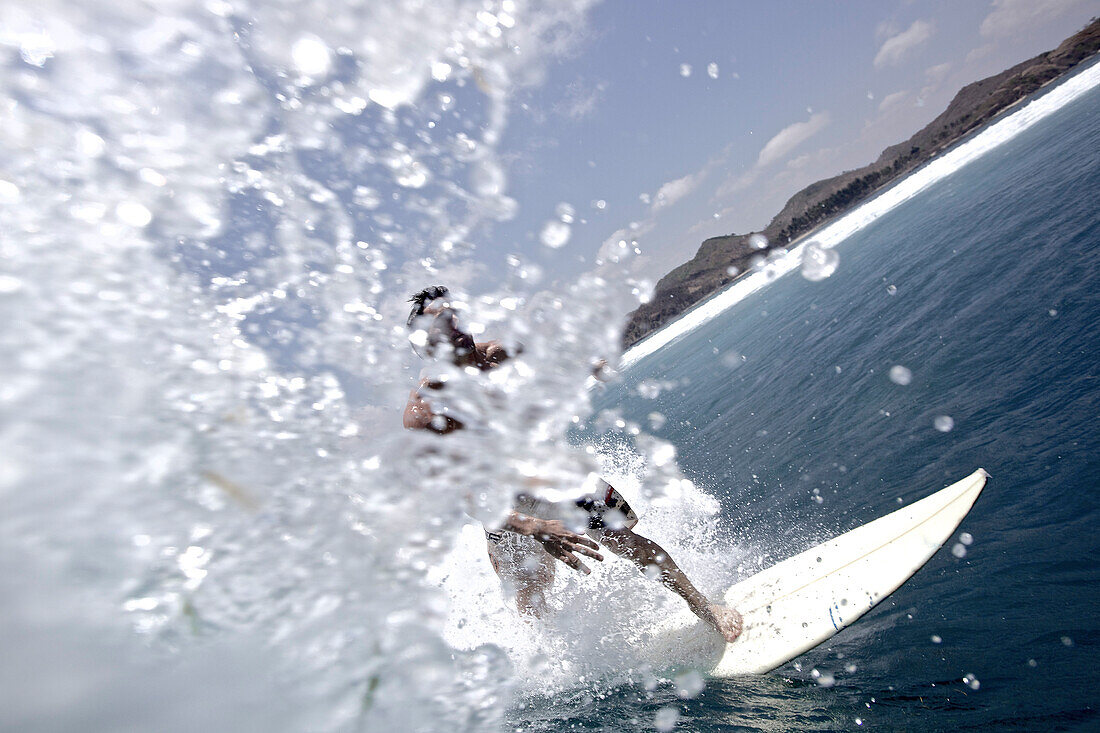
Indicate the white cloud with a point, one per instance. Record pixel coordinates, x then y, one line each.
934 77
674 190
1010 17
885 29
612 247
892 100
978 54
791 137
735 184
898 46
936 74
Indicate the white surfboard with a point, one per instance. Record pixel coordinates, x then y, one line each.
800 602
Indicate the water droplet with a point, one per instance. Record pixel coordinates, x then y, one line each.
959 550
850 668
663 454
900 375
89 143
891 289
937 639
152 177
971 681
554 234
666 719
649 389
824 679
311 57
36 48
133 213
733 271
685 70
565 212
732 359
486 178
411 173
9 192
689 684
966 538
441 71
599 204
758 241
502 208
1066 641
10 284
712 70
818 263
944 423
367 197
1032 663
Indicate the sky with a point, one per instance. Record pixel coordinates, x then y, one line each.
667 123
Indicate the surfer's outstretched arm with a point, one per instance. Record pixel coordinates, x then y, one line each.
562 543
646 554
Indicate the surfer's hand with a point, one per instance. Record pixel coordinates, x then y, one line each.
726 621
564 545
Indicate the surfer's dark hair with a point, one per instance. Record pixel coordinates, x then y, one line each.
421 299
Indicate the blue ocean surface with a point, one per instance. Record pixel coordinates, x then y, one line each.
986 288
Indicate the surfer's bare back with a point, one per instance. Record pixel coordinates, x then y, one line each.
523 549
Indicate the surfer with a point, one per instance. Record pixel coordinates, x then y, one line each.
524 548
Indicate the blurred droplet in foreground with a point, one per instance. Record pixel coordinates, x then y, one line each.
818 263
666 719
555 234
689 684
487 178
900 375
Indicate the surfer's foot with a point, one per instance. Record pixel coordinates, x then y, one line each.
727 621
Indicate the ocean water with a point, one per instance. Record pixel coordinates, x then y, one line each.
986 288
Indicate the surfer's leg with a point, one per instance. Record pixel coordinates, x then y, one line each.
653 560
525 570
535 584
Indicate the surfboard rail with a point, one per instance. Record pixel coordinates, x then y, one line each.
798 603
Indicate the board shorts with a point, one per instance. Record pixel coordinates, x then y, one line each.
604 508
